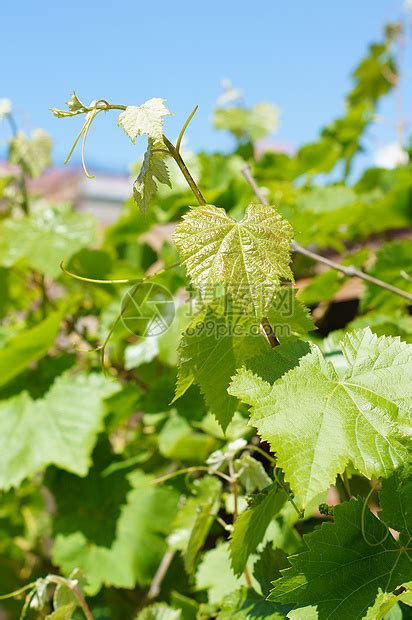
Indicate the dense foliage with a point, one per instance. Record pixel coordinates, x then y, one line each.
179 437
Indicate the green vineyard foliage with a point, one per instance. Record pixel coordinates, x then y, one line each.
191 425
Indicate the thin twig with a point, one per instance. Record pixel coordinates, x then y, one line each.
157 581
348 270
82 603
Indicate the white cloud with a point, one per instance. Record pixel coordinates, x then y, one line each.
390 156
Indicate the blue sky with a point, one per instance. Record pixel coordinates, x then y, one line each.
297 54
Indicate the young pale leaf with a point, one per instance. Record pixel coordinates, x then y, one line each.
249 258
32 154
75 106
144 119
386 601
62 613
317 422
303 613
341 571
57 429
64 595
252 124
153 169
251 473
46 238
211 350
251 525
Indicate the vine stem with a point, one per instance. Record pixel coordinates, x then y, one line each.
269 333
185 171
348 270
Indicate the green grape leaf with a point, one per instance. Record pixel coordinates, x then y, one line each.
159 611
252 124
251 525
247 604
370 74
28 346
32 154
325 199
395 499
322 287
178 441
144 119
187 606
341 571
271 364
215 574
318 157
249 258
57 429
393 264
153 169
90 505
288 316
268 565
318 422
206 492
46 238
206 512
212 348
137 549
